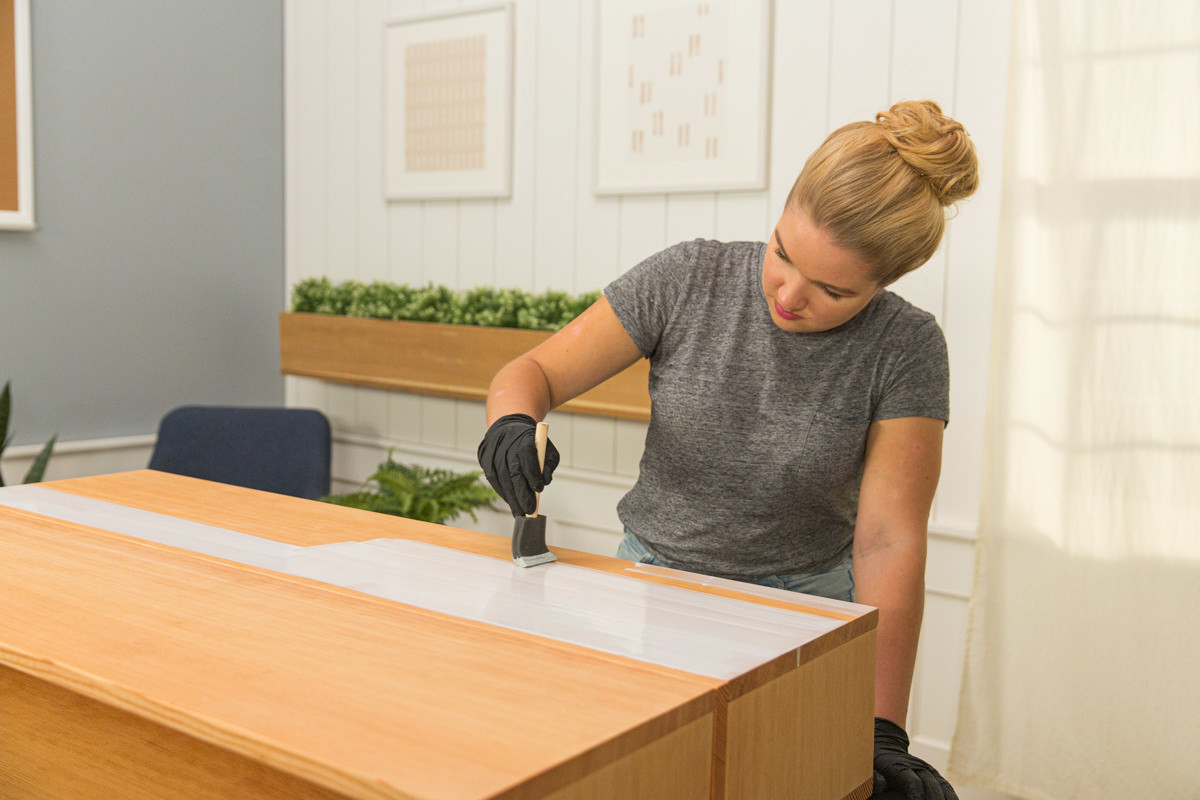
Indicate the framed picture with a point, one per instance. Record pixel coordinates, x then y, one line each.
682 96
448 105
16 117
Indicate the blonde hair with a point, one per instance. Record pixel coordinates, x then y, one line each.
881 189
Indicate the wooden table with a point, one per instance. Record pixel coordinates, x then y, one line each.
134 669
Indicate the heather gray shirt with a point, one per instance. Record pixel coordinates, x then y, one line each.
755 448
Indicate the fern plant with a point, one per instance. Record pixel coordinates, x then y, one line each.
38 468
417 492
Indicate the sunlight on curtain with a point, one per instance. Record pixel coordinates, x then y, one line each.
1083 652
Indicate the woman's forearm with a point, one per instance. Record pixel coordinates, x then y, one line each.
894 583
890 538
520 387
590 349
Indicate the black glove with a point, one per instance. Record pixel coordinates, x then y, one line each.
901 775
510 463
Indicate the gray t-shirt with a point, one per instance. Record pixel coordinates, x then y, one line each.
755 448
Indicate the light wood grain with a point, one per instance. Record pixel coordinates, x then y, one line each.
817 748
60 744
676 765
270 516
428 358
363 697
117 754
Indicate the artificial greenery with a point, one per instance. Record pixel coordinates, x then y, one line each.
416 492
38 468
484 306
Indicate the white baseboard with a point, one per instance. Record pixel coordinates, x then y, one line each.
80 458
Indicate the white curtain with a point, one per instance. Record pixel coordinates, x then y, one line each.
1083 663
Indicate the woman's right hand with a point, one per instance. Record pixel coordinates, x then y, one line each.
509 459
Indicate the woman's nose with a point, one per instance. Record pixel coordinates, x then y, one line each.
793 294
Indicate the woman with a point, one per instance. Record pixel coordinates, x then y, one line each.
798 406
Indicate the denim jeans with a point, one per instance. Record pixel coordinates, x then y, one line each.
836 583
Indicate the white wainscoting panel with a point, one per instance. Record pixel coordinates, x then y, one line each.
981 91
691 216
404 417
592 444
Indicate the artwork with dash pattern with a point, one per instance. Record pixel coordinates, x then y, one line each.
444 114
448 105
682 96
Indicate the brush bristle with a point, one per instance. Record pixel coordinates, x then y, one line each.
529 542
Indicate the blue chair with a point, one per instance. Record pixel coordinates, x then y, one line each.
282 450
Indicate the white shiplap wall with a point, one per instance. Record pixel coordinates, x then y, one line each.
834 61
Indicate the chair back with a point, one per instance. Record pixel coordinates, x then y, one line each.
283 450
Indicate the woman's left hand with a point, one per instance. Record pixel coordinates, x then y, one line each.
901 775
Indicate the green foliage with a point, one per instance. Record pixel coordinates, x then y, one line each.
38 468
484 306
416 492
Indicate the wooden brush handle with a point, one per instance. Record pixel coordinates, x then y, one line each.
540 437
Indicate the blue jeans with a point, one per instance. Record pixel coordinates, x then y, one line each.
836 583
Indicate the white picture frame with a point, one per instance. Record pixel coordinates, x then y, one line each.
682 96
16 121
447 109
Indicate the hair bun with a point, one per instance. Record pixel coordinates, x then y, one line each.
933 144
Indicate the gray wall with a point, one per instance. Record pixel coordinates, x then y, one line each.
156 270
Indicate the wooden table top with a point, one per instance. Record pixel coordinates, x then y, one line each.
356 693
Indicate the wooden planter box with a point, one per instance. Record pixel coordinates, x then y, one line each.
430 358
